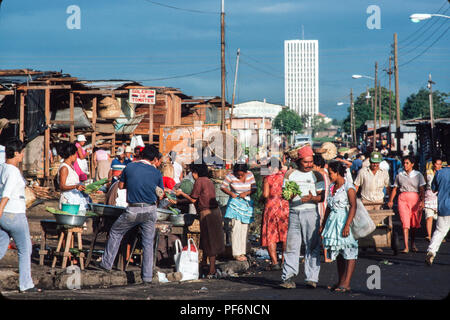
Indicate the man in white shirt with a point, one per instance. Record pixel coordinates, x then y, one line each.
304 220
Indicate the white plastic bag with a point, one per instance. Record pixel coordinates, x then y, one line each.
83 164
136 141
362 224
186 260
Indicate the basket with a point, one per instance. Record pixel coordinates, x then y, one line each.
331 151
98 197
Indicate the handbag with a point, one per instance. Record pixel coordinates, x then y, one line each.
186 260
362 224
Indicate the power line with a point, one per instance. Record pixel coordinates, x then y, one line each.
180 76
181 9
426 49
257 61
261 70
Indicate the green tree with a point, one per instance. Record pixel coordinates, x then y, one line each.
417 105
287 121
363 108
317 123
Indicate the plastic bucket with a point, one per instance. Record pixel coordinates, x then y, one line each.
70 208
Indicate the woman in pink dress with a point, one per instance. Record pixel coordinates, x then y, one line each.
276 213
81 154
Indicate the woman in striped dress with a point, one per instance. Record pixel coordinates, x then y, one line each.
239 185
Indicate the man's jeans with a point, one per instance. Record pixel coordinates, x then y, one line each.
145 217
303 227
15 225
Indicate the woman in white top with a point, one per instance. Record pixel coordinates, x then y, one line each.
68 179
13 221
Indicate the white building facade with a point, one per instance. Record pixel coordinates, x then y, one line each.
301 74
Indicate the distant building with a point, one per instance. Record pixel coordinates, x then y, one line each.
301 74
252 122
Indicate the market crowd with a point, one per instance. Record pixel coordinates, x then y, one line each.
318 219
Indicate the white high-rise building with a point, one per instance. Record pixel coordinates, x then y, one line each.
301 74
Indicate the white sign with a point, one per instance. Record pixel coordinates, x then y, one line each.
142 96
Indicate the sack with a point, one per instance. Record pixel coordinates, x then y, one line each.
83 164
186 260
362 224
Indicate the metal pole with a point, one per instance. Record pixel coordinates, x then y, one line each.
222 45
430 86
234 87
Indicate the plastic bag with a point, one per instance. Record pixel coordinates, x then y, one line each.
362 224
186 260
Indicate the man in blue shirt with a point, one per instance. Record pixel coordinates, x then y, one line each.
356 166
441 184
141 179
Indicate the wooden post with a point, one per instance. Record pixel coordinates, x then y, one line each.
94 133
72 125
150 126
21 122
47 135
397 96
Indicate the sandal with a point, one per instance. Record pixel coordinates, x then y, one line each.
31 290
333 287
273 267
404 251
414 249
342 290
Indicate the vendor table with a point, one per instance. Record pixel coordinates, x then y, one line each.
102 224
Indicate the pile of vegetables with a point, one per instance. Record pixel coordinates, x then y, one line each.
291 189
95 186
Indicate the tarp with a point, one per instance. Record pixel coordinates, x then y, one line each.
34 114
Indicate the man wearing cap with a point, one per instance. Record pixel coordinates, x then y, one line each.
372 180
118 164
3 124
129 154
304 221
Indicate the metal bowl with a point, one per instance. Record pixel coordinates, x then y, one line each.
162 214
177 220
71 220
107 210
183 219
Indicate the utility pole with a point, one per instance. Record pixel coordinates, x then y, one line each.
375 111
397 97
222 44
234 88
390 102
430 86
351 114
379 103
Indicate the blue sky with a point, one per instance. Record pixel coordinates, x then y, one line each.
142 41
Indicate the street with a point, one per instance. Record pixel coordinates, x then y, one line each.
402 277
